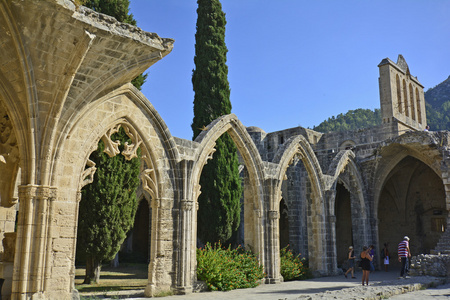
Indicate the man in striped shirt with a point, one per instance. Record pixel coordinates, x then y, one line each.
403 256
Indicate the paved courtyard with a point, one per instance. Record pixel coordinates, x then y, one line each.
382 285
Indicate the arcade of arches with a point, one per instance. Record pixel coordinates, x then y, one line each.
65 76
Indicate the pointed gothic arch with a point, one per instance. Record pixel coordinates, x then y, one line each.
153 137
345 170
294 149
253 208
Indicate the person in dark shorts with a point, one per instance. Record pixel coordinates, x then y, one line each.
365 264
351 262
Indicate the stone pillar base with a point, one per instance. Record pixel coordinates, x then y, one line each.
183 290
273 280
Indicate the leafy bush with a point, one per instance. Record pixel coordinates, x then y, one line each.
293 267
226 269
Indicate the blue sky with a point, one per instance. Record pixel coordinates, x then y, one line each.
294 62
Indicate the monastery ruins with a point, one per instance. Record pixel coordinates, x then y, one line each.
65 75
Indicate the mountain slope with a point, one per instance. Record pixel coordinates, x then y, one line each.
438 106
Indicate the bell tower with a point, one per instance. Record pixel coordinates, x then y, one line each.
401 96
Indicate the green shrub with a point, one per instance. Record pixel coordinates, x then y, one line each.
226 269
293 267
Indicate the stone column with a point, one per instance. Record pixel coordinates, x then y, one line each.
187 259
360 223
32 243
154 249
317 235
259 239
331 236
332 252
273 267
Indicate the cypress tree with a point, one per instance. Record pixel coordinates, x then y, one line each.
107 208
219 202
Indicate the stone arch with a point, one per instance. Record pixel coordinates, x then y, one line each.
14 99
252 160
405 147
422 148
345 170
192 169
298 148
138 102
125 107
412 197
345 161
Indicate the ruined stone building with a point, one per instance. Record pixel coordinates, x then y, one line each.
65 76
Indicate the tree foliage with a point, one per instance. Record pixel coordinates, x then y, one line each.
438 106
352 120
219 202
118 9
107 207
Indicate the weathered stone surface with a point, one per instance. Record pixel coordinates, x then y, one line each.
432 265
64 84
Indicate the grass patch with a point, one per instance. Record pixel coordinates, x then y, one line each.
125 277
164 294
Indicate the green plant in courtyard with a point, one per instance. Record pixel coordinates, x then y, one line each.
226 269
292 266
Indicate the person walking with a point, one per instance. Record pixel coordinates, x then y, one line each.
404 255
351 262
365 264
385 256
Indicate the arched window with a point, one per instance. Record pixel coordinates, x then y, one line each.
405 96
419 112
399 94
411 100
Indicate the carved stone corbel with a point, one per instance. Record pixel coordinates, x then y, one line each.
187 205
273 214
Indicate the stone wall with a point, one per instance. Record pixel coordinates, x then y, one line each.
430 265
